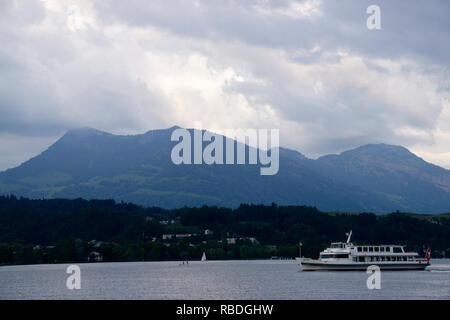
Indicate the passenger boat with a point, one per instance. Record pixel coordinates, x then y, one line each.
347 256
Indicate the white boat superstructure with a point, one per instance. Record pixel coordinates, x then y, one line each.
347 256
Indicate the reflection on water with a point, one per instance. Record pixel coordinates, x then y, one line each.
435 267
274 279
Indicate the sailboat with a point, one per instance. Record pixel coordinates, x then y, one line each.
203 257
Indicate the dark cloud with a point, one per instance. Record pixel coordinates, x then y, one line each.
311 68
416 29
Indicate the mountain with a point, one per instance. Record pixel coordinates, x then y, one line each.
90 164
394 173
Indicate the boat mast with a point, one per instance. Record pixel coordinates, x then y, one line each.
349 236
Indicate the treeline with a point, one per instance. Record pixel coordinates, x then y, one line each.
60 230
77 250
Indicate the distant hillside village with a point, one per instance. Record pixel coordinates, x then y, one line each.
60 231
96 247
169 239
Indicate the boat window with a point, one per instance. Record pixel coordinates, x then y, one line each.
370 249
388 258
397 249
388 249
382 249
339 256
361 259
404 259
359 249
365 249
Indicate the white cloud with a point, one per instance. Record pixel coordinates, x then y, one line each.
306 67
291 9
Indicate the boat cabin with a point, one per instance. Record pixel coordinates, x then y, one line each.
367 253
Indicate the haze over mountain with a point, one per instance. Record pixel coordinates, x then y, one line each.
92 164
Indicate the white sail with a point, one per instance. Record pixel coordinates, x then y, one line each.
204 257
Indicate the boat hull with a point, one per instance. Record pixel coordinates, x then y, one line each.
317 265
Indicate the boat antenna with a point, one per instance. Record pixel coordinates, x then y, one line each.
349 236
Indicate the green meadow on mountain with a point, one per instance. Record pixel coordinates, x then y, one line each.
91 164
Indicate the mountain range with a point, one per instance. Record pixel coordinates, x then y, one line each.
92 164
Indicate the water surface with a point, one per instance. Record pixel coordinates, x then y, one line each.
264 279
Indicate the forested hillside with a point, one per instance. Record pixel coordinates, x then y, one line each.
47 231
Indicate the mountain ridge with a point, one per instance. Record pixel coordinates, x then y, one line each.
90 163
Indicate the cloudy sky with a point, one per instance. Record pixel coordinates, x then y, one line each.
310 68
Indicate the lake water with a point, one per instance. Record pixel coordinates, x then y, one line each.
263 279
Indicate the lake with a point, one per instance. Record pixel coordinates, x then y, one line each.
261 279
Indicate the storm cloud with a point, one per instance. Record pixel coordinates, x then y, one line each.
310 68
